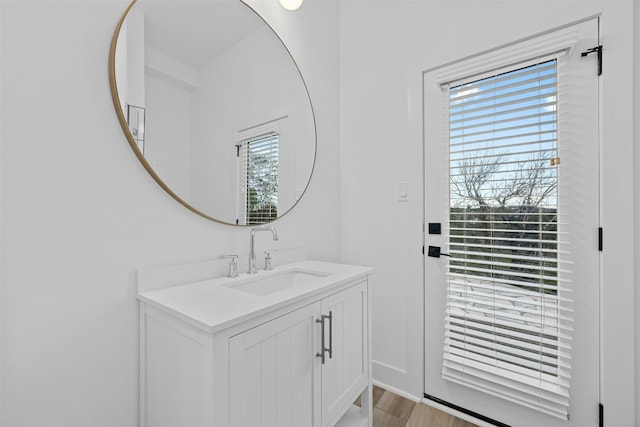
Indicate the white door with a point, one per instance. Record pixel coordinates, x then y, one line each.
512 177
274 373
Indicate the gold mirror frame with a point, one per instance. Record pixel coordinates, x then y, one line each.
130 139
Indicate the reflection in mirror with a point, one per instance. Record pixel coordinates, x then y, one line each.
214 107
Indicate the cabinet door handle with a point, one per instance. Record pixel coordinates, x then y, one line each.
322 349
330 349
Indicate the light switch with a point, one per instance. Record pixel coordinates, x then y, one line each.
402 192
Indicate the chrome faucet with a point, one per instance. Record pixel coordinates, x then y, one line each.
252 246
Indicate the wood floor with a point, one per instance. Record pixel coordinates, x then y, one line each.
391 410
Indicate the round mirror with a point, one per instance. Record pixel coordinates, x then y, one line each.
214 107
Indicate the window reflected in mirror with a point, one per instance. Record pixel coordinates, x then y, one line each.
259 179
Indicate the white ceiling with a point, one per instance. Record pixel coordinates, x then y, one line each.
195 31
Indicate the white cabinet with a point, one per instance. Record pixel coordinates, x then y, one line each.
273 374
278 374
266 371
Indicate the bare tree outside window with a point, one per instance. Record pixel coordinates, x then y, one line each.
502 207
262 188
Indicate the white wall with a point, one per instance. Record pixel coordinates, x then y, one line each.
80 215
168 133
385 46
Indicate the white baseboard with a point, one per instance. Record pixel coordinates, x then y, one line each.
398 392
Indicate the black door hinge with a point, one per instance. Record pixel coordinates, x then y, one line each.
600 238
598 50
601 415
238 150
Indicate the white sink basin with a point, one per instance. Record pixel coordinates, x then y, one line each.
266 283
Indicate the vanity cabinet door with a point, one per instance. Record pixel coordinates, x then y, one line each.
345 374
274 372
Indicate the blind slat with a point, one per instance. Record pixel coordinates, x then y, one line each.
508 120
548 106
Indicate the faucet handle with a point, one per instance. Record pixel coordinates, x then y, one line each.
233 265
267 259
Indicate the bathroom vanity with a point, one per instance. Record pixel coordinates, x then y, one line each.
286 347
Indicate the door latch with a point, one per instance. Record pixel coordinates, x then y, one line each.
434 251
598 50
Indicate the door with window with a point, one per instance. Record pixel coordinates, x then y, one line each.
512 276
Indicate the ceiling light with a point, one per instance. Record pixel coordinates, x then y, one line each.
291 4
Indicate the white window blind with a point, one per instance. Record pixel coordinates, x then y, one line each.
259 178
507 329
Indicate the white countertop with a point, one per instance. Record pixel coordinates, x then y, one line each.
213 305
